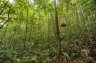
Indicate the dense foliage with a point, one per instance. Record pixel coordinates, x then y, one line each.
27 30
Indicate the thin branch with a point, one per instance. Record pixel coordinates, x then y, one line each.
7 19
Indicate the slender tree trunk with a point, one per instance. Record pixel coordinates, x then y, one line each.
57 33
26 31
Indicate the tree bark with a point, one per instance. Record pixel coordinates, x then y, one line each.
57 32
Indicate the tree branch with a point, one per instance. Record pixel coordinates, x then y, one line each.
7 19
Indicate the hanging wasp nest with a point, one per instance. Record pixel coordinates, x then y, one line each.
63 22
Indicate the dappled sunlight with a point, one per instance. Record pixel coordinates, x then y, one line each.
31 1
11 1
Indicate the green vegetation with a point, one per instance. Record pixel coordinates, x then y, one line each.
43 31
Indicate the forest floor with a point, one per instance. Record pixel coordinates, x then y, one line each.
83 60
